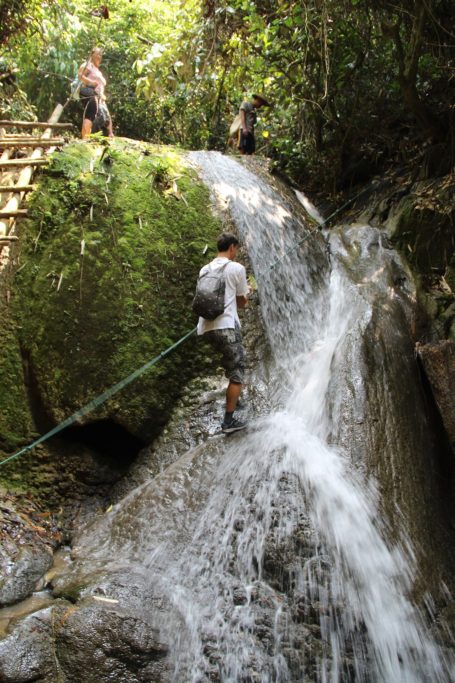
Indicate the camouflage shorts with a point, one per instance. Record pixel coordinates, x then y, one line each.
229 344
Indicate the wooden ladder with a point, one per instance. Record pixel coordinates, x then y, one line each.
21 153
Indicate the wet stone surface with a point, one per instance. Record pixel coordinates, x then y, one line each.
438 360
28 654
28 538
198 414
171 568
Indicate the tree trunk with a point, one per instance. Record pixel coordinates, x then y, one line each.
408 64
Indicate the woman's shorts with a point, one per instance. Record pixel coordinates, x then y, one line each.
91 108
228 343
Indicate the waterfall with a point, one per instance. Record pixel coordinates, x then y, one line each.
275 559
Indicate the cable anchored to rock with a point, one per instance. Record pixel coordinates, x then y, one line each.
99 400
102 398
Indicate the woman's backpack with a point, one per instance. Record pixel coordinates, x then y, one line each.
102 119
75 88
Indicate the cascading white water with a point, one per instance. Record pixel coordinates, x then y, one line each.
242 628
265 551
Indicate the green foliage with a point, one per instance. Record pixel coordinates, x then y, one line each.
17 17
14 103
350 81
113 246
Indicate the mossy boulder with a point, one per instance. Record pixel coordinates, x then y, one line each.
424 234
15 418
112 246
422 227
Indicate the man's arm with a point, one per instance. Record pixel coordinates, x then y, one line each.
242 289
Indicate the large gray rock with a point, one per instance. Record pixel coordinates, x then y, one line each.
28 654
25 549
99 643
21 574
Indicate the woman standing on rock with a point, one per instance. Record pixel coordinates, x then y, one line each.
92 91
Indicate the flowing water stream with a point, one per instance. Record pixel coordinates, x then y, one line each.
286 469
285 572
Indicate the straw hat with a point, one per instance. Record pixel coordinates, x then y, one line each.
263 99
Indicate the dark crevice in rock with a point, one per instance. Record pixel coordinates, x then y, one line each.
445 466
40 416
107 438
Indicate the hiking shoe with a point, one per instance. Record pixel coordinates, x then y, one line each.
232 426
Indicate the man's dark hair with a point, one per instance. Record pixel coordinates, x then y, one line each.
225 240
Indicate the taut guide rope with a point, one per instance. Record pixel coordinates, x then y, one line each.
102 398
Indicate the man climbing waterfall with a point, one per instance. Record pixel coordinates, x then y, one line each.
223 332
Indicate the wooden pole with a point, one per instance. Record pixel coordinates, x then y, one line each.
37 124
8 177
13 214
27 161
31 143
7 137
17 188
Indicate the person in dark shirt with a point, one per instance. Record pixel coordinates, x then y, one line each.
247 143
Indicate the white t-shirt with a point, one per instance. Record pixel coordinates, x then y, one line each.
236 285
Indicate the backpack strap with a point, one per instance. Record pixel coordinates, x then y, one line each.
211 270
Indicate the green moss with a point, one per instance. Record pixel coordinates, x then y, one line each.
15 419
141 219
425 236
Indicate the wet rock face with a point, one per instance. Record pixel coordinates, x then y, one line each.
438 361
21 572
99 644
422 231
419 219
125 606
28 654
94 642
109 631
122 623
398 445
27 543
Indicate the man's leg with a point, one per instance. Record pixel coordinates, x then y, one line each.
232 396
247 143
229 344
235 367
243 142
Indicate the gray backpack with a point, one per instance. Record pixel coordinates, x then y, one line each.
208 301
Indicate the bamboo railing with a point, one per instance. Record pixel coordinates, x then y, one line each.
16 172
